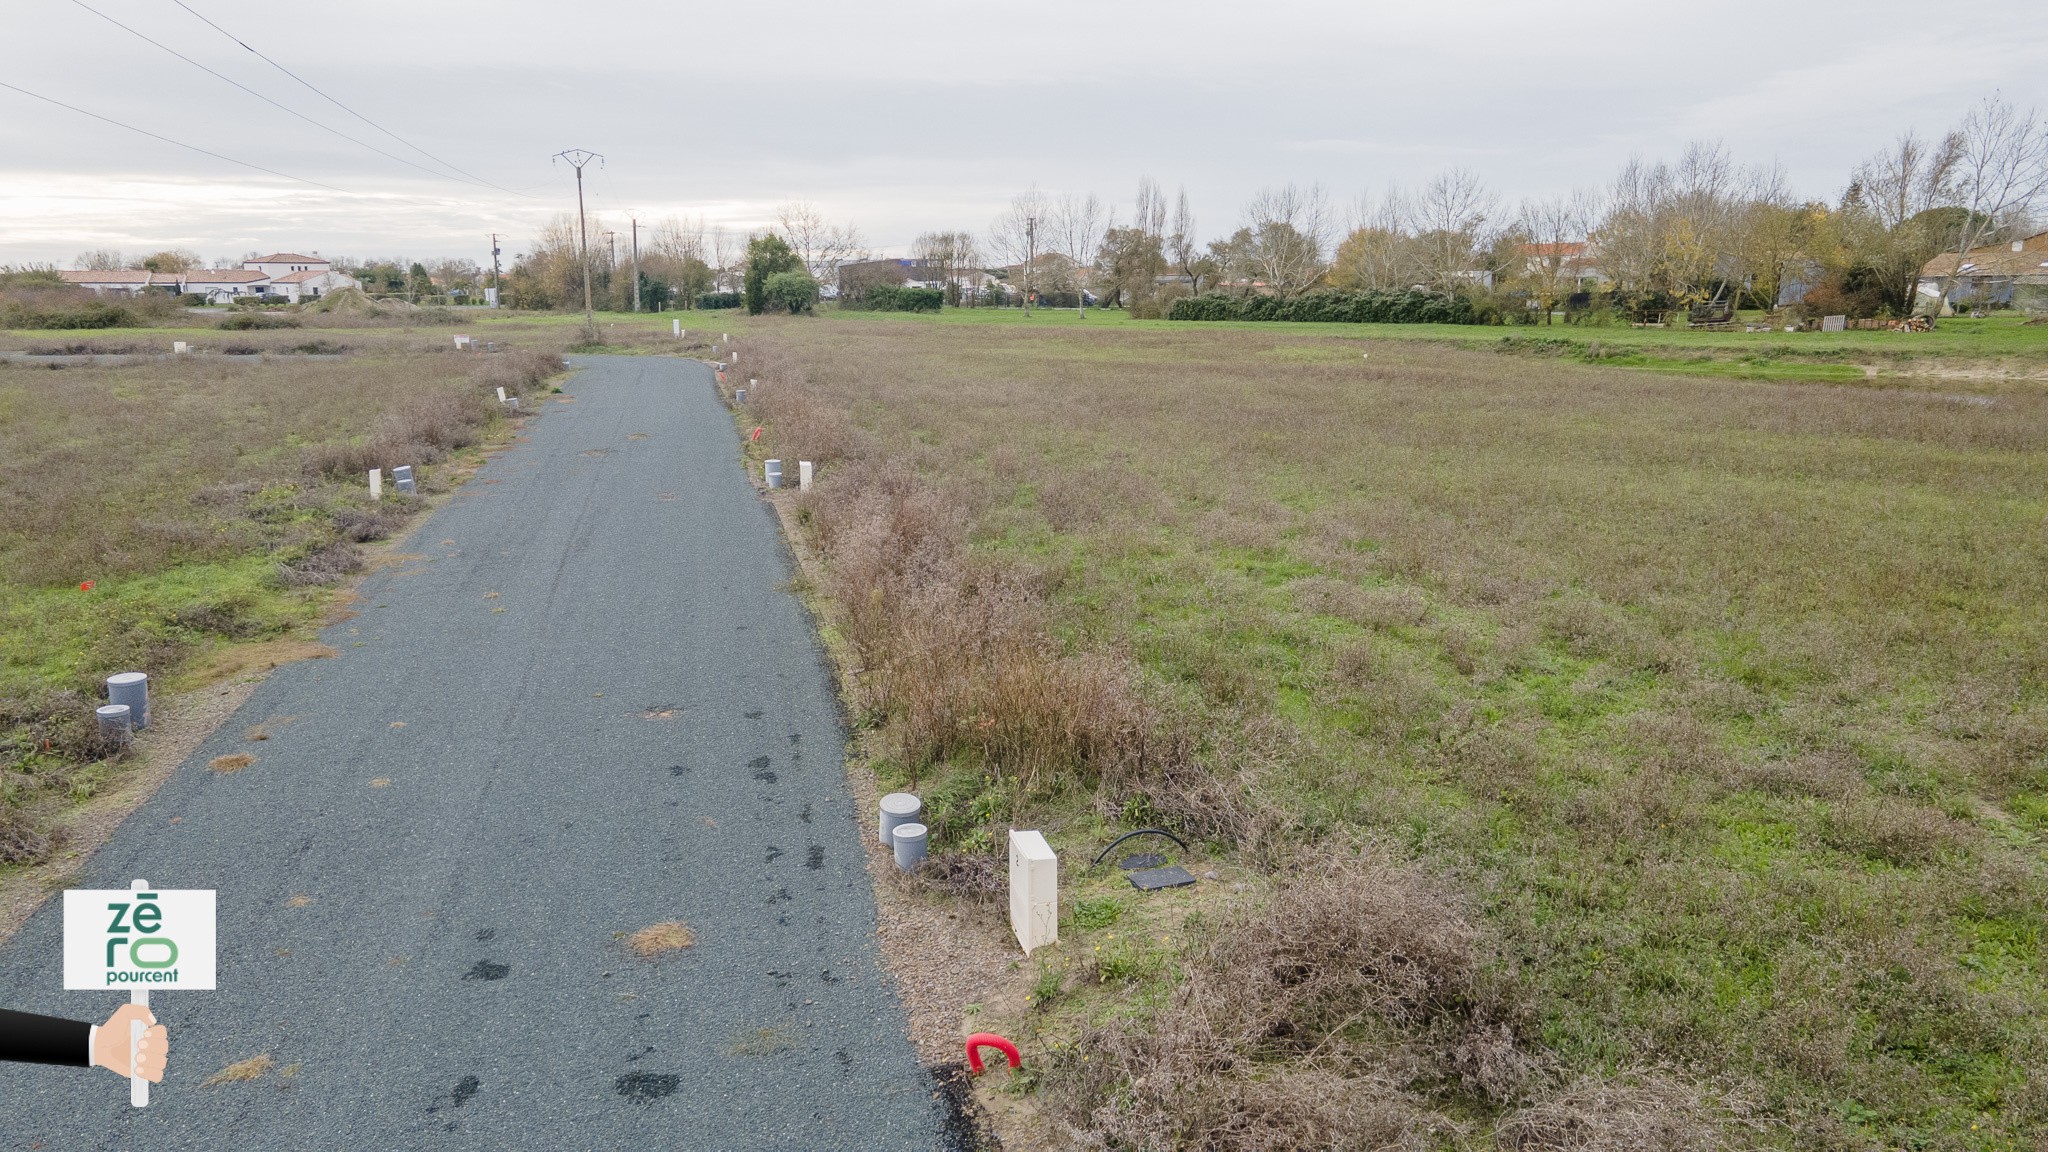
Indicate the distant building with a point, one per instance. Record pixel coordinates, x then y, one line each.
285 274
1993 274
1575 262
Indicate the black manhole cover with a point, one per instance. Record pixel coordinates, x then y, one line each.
1142 860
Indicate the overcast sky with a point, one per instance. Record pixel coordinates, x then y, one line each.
917 114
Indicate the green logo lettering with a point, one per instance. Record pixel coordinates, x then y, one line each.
135 952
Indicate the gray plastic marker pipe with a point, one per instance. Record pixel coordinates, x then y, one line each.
910 845
115 722
898 808
132 689
772 472
739 395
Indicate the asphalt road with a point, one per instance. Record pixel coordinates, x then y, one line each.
589 706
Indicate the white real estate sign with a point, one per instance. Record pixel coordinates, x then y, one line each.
120 939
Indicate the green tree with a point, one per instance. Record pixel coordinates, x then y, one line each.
171 260
767 256
795 291
1129 267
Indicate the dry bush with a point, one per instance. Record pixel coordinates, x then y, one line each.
1648 1113
953 655
1318 1017
1893 829
21 841
324 564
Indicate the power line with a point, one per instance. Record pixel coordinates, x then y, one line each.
255 93
168 140
338 104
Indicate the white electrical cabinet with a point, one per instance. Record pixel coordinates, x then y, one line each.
1034 891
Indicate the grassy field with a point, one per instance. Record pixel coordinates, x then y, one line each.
1611 758
208 500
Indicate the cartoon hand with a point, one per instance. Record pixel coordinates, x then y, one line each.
110 1043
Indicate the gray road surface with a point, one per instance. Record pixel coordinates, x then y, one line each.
596 709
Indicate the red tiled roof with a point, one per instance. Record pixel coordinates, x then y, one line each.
300 277
222 276
284 258
107 276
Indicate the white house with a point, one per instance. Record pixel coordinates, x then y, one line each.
310 283
285 274
285 263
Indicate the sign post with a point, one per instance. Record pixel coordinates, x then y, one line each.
141 939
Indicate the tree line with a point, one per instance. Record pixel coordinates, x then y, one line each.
1701 228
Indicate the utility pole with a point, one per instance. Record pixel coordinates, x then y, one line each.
497 279
577 158
636 262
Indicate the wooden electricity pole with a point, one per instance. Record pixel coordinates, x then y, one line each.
577 158
636 262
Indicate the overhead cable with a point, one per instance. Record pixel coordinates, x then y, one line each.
338 104
259 95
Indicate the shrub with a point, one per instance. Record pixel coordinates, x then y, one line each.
1300 1020
1331 307
248 320
766 256
710 301
897 298
43 308
793 292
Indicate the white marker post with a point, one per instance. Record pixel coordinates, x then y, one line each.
143 939
376 483
677 326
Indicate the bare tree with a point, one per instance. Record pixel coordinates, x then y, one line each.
1290 232
1017 235
1887 212
2000 173
1149 212
1449 217
726 253
1183 245
1078 223
1377 255
100 260
950 256
821 244
1555 252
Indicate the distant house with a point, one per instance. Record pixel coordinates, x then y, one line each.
1993 274
1575 262
285 274
117 281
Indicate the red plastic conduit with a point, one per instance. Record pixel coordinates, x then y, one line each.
979 1040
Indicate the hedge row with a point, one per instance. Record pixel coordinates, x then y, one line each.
1330 307
712 300
897 298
